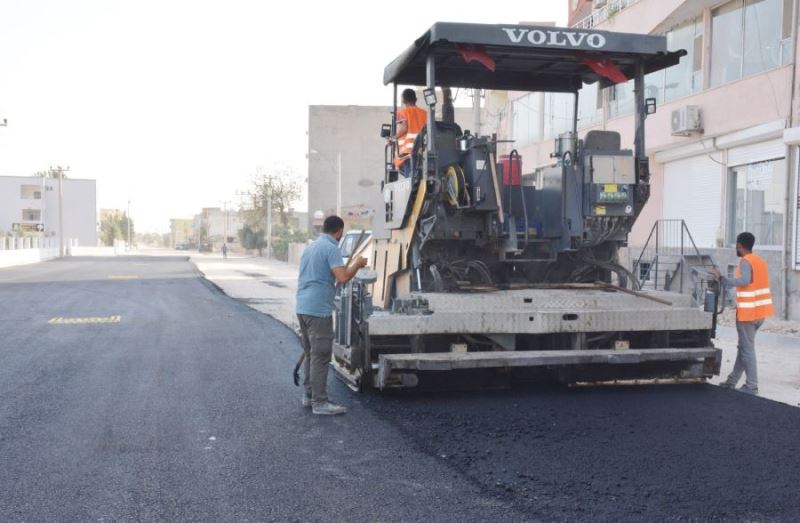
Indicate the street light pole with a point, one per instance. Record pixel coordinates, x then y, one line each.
61 212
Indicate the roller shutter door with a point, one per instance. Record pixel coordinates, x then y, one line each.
693 192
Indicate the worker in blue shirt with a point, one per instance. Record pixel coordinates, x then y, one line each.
321 268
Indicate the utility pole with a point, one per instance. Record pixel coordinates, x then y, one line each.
60 171
225 227
269 218
61 251
476 112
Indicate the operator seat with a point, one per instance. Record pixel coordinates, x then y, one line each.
602 141
447 135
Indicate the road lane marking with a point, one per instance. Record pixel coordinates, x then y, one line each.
60 320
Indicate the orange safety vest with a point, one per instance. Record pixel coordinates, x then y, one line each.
754 300
415 119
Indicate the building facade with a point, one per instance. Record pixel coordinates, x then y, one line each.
216 225
29 205
180 231
723 142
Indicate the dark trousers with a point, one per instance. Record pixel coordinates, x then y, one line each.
317 338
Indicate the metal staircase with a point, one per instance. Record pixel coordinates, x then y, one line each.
670 259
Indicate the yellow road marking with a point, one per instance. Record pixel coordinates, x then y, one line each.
85 320
123 277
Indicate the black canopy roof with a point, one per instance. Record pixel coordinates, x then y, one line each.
527 58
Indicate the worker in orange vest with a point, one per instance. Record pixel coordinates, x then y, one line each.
410 121
753 305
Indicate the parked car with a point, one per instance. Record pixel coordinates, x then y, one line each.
206 247
348 243
181 246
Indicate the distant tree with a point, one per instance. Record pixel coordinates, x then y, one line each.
153 239
252 238
282 237
280 188
53 172
114 226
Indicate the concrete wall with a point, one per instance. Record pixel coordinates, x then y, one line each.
353 131
23 251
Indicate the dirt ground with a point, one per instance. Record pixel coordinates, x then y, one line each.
773 325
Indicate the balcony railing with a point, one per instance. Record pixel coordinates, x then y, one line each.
600 15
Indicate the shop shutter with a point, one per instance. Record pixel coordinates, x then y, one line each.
756 152
693 192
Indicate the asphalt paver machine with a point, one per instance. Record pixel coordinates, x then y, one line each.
487 269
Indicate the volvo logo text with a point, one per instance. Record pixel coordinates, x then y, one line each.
555 38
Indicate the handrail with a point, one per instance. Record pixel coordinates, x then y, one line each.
667 243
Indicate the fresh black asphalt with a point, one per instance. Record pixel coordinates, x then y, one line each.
185 411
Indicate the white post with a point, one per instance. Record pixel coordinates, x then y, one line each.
60 212
339 184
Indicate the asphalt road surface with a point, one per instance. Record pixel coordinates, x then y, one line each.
152 396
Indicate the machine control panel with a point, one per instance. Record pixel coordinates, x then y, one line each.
609 185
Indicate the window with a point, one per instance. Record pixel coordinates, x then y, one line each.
686 77
30 192
559 109
526 120
31 215
590 106
756 201
620 99
749 37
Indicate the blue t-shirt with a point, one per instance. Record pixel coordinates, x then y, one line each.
316 285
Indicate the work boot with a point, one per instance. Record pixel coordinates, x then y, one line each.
753 391
306 401
726 385
328 409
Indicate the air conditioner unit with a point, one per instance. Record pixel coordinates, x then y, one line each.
686 120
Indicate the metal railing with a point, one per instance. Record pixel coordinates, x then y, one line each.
600 15
665 250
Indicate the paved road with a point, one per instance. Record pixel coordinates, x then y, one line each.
184 410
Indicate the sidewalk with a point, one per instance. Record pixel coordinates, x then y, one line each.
269 286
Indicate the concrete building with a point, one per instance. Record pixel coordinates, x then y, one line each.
180 231
30 205
733 169
346 139
216 224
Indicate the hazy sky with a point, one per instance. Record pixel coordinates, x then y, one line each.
174 103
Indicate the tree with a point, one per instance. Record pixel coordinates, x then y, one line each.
252 238
114 226
280 189
283 236
53 172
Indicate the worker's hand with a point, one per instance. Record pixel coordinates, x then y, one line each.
715 273
361 262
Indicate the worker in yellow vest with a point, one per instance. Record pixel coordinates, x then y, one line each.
753 305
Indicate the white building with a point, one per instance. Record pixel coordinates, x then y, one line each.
216 224
31 204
